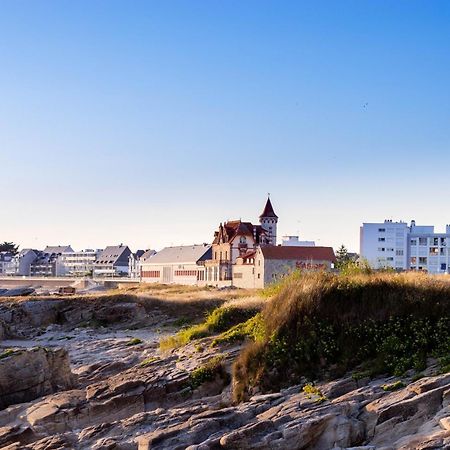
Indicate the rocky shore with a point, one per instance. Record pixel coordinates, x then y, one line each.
90 375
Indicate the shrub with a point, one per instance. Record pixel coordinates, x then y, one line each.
393 387
134 341
208 372
219 320
321 325
147 362
8 352
253 328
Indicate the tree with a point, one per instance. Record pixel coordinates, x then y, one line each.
342 257
9 247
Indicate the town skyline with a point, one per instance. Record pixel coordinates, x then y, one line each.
150 123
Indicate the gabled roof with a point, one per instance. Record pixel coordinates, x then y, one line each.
229 230
299 253
186 254
268 210
114 253
57 249
147 255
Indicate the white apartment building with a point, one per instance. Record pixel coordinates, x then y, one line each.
78 264
402 247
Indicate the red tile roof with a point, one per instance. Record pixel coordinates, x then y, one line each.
229 230
299 253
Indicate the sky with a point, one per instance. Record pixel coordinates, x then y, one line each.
150 122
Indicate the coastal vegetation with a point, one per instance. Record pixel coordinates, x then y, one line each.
218 320
321 326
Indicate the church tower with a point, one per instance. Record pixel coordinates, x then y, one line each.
268 220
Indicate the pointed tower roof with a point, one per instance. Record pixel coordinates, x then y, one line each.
268 210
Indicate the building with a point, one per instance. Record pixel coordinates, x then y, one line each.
78 264
134 262
293 241
5 259
177 265
48 263
20 264
112 262
235 239
267 264
398 246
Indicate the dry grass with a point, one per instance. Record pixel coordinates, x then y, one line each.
321 324
187 302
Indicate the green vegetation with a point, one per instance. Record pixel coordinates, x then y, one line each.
321 325
253 328
362 374
219 320
147 362
312 391
393 387
9 247
134 341
208 372
8 352
444 363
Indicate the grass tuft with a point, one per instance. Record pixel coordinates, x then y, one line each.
219 320
134 341
208 372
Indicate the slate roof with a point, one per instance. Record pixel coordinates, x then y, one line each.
268 210
114 254
299 253
186 254
147 255
57 249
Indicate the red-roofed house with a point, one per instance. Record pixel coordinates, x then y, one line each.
235 239
270 263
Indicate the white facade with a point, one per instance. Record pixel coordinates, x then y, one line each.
401 247
177 265
5 259
20 264
293 241
78 263
268 264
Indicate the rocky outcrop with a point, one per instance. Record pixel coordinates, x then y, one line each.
131 396
29 374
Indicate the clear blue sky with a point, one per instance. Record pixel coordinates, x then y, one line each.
148 123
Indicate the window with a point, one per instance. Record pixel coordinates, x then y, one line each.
443 266
399 252
389 258
389 249
422 260
243 240
423 241
413 260
381 230
381 249
413 241
434 251
238 275
380 239
435 241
